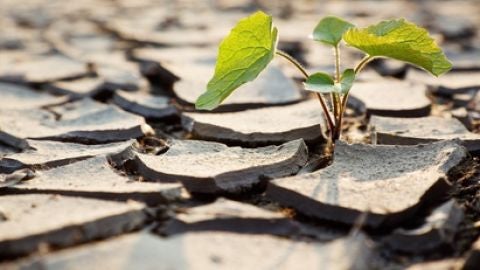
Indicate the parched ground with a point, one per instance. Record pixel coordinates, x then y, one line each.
105 164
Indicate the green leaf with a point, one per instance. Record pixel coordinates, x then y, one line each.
401 40
242 55
346 81
330 30
319 82
324 83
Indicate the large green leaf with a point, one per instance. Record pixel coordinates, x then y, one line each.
401 40
330 30
242 55
324 83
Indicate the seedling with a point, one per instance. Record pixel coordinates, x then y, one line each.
252 44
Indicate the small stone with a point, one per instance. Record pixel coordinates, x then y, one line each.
45 69
410 131
231 216
391 98
37 220
84 121
390 183
95 178
146 105
50 154
265 126
208 167
212 250
437 232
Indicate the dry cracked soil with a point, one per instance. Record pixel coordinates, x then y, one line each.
106 164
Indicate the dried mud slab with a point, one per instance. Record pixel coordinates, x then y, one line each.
84 87
271 87
121 76
49 154
454 28
151 26
5 150
95 178
390 183
163 67
146 105
231 216
44 69
208 167
16 96
437 232
465 60
84 121
447 84
473 258
410 131
391 98
274 125
211 251
196 67
40 221
445 264
200 55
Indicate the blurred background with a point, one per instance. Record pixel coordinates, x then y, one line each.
127 41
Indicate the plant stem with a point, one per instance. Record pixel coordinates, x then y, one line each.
343 105
337 63
363 63
357 70
293 61
331 125
337 101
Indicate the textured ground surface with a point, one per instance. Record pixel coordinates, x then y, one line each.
104 160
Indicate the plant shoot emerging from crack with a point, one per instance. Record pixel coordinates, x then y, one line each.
252 44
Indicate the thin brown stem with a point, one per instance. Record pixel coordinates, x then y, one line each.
331 125
293 61
344 100
365 60
337 63
337 101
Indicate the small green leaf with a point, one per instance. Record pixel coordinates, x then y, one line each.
401 40
346 81
320 82
330 30
324 83
242 55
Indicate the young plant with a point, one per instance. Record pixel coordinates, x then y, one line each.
252 44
